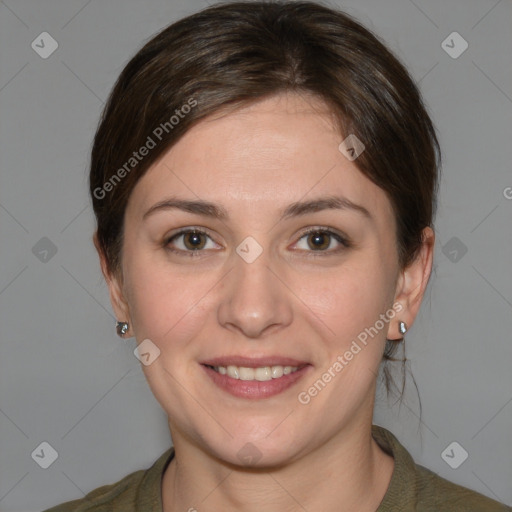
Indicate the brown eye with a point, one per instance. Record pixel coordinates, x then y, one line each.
319 240
322 241
194 240
190 242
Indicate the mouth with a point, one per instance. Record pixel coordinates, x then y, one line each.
255 378
261 373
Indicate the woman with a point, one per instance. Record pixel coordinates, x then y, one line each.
264 180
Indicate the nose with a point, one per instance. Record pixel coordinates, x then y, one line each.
255 299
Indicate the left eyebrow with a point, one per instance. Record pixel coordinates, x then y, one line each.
324 203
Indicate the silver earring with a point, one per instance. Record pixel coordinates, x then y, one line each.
402 327
121 328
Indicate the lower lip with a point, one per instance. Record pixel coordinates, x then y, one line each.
255 389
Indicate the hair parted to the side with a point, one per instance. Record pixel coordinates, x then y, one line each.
235 53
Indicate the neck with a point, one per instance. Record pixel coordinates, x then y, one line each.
348 472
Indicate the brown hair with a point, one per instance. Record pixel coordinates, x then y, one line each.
235 53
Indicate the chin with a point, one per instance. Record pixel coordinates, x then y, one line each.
264 448
253 456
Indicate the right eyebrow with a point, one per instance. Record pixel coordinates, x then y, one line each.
198 207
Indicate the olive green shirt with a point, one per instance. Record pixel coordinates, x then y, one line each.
412 488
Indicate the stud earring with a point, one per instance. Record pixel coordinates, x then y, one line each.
121 328
402 327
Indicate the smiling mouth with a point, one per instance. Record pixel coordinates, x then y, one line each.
261 374
255 377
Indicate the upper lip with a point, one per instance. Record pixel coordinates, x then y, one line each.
254 362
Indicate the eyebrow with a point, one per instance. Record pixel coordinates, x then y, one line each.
299 208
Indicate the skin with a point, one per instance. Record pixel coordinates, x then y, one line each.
294 300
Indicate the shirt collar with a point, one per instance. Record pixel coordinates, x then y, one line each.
402 489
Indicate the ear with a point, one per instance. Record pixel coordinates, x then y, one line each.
115 287
412 283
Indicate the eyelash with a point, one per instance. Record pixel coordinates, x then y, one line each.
313 254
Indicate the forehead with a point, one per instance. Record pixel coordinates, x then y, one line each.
258 159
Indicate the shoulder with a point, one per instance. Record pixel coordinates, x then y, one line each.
137 491
416 488
103 498
443 495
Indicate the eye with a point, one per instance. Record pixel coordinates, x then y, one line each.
322 240
190 241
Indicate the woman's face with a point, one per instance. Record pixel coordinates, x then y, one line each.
254 291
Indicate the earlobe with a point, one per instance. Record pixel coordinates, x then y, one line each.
117 299
412 283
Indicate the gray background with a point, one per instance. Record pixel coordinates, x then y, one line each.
67 379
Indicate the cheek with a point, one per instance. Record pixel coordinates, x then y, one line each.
164 306
350 299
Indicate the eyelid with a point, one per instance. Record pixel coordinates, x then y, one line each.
187 229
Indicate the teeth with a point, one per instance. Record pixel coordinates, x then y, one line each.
261 374
277 371
232 372
245 373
